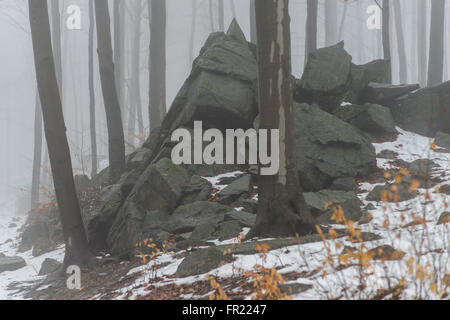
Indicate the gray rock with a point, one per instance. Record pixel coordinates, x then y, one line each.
102 216
228 230
186 218
82 182
326 77
361 75
244 218
198 189
371 118
347 200
294 288
40 247
379 93
329 148
49 266
444 218
344 184
426 111
386 193
157 193
11 263
443 140
235 189
202 233
199 262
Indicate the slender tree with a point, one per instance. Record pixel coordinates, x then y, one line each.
331 23
436 57
157 106
386 31
56 40
281 210
93 131
116 142
77 249
400 42
253 37
311 28
422 41
193 24
37 155
221 16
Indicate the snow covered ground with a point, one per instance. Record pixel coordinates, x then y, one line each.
421 271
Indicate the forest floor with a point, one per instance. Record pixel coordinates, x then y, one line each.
417 267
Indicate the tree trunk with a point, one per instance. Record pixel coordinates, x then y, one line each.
77 249
233 9
157 106
135 74
343 18
253 37
281 210
436 57
386 33
400 42
93 131
193 24
37 156
116 142
422 41
221 16
56 41
211 15
311 28
331 23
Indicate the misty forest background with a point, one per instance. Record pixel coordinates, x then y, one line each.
188 25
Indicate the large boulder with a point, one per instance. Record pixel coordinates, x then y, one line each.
378 71
323 203
11 263
380 93
443 140
329 148
200 261
426 111
221 90
159 190
326 78
102 216
372 118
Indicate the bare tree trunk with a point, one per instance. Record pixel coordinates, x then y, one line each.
401 42
56 40
436 57
343 18
311 28
116 141
386 33
193 24
233 9
281 210
221 16
135 95
77 249
331 23
211 15
37 155
93 131
157 106
422 41
253 37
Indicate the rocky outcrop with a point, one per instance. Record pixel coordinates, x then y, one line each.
426 111
443 140
11 263
380 93
329 148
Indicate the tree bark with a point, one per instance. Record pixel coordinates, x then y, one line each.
436 57
221 16
116 142
56 41
37 155
92 125
157 106
422 41
281 210
386 33
77 249
253 37
400 42
331 23
311 28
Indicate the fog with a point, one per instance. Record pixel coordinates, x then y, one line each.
18 84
